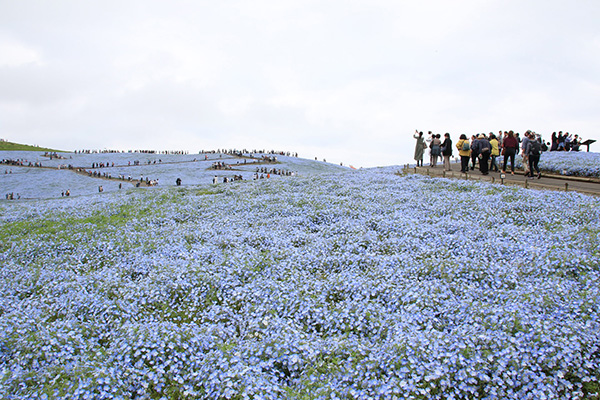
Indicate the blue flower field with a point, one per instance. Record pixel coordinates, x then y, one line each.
568 163
339 285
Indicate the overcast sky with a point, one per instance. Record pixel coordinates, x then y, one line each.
348 81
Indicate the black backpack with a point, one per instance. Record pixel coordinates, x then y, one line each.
535 147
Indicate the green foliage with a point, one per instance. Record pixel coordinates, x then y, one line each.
10 146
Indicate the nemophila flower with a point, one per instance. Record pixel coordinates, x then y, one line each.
567 163
365 284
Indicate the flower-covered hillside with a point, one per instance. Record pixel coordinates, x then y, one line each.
356 285
192 169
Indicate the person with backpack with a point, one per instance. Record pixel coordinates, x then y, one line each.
464 151
534 150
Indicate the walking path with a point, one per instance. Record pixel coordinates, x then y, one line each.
584 185
87 172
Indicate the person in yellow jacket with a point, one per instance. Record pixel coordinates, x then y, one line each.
495 152
464 150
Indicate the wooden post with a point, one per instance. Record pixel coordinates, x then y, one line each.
566 186
493 180
526 183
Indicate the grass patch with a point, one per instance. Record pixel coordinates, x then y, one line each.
10 146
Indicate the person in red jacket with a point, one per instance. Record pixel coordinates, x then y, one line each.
509 149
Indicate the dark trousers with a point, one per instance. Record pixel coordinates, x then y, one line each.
493 164
464 163
483 162
533 164
473 159
509 153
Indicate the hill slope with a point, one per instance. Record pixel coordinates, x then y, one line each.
10 146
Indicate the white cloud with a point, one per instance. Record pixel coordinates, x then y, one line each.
14 54
346 81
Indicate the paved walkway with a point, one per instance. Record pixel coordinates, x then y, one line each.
547 181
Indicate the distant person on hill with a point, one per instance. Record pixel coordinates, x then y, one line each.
447 152
419 148
464 151
509 150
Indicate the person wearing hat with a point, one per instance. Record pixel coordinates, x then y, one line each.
483 153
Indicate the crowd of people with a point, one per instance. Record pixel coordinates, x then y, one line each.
564 142
219 165
274 171
20 163
54 155
106 175
227 179
13 196
174 152
483 150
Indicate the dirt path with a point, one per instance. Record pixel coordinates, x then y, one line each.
548 181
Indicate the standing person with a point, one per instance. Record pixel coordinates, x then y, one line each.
436 150
524 154
474 151
534 149
419 148
561 141
509 150
464 151
484 149
495 152
447 151
568 140
576 143
554 142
